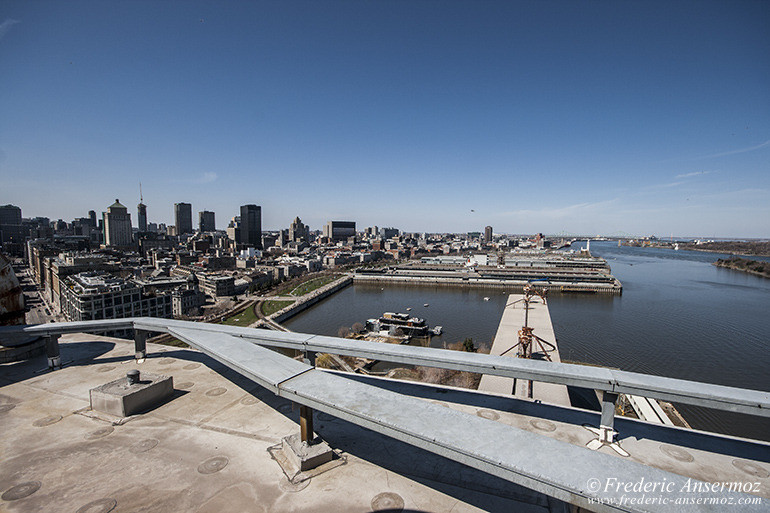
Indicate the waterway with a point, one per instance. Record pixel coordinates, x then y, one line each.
678 316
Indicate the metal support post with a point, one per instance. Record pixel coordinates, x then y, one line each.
52 351
310 358
608 410
306 423
605 433
140 344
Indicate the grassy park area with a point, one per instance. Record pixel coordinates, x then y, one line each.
273 305
311 285
243 318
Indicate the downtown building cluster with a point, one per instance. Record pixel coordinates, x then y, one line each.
102 267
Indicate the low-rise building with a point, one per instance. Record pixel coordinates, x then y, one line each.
98 295
217 286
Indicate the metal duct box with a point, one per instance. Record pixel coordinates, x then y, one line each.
131 395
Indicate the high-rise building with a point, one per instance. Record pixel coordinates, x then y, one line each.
117 225
92 217
339 230
388 233
298 231
206 221
10 214
234 230
141 209
488 234
11 229
183 218
251 225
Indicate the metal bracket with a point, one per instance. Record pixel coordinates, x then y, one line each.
605 437
605 433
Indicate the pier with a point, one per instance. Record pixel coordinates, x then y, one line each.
506 339
557 280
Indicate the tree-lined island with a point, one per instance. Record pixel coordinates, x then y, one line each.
745 265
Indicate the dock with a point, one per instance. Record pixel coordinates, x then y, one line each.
507 337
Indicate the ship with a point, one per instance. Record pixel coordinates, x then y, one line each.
401 325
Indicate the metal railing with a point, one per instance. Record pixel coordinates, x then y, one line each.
534 461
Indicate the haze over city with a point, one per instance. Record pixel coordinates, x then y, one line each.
592 118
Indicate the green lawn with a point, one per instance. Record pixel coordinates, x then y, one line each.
244 318
311 285
272 306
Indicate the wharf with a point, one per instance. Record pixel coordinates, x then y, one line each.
507 337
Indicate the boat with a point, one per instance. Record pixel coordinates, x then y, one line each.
426 305
409 309
400 325
486 298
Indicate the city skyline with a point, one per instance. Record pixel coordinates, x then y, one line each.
603 118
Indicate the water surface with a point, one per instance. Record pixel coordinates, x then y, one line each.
679 316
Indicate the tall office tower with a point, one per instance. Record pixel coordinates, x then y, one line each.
183 218
298 231
206 221
92 217
117 226
141 211
488 234
142 216
251 225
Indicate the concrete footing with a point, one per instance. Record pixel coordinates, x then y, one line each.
304 456
124 397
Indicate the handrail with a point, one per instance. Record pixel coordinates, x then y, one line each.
752 402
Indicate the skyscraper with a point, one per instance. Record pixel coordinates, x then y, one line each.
488 234
251 225
92 217
117 225
141 209
206 221
298 231
183 218
142 216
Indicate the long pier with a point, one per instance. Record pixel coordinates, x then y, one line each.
592 281
538 318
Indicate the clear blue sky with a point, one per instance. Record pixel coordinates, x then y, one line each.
598 117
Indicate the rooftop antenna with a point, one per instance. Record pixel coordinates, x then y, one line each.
141 200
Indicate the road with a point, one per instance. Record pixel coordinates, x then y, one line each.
38 311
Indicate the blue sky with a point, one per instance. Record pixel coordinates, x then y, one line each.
593 117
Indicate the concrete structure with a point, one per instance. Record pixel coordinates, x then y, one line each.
183 218
118 231
520 449
206 221
339 230
488 234
505 342
251 226
133 394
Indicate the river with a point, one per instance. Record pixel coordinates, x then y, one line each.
678 316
